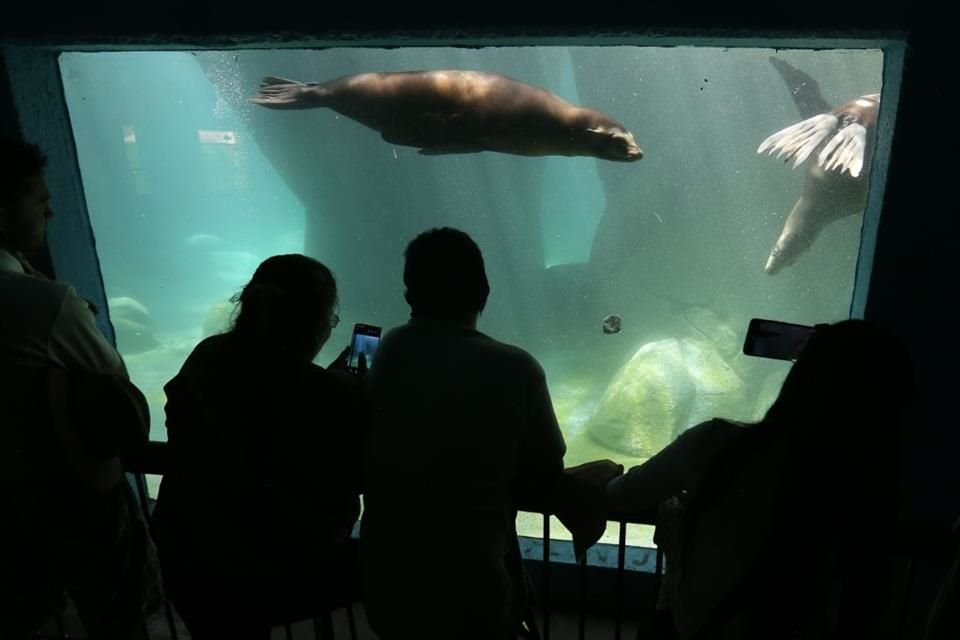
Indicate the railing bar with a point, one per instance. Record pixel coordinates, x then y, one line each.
351 622
582 569
657 584
323 625
546 576
905 598
621 570
171 622
141 481
658 576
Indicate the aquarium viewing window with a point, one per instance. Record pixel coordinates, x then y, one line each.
631 282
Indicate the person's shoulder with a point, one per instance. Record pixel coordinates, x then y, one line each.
73 308
725 426
33 290
209 350
394 334
72 304
399 335
712 430
517 358
210 344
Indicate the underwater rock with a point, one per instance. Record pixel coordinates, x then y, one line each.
132 325
573 402
666 387
707 324
767 393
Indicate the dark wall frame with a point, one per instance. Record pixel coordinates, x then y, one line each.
914 262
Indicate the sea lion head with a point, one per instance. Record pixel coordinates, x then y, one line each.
611 141
789 246
775 261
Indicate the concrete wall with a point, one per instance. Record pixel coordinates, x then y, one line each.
35 94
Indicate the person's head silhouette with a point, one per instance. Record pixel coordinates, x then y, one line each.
849 377
288 306
444 276
24 197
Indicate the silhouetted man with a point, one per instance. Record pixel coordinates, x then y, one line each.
68 524
462 428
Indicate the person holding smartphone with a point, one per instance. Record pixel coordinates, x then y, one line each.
254 517
778 529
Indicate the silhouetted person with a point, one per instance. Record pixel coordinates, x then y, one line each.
254 516
462 428
782 525
70 524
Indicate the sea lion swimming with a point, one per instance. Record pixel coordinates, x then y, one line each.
835 185
452 111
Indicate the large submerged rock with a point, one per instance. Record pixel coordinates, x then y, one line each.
666 387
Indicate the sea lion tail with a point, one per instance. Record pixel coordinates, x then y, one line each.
282 93
803 88
799 140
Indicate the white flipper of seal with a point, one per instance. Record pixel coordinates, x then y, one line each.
799 140
845 150
282 93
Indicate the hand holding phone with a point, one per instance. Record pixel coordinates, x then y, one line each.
363 342
340 362
775 339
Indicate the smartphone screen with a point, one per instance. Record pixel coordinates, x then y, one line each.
775 339
364 341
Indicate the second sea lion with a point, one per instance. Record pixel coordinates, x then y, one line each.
835 184
454 111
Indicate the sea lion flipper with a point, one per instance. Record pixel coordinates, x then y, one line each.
803 88
282 93
798 141
271 80
845 150
435 132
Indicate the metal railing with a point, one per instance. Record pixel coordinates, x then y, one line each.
152 460
583 571
911 542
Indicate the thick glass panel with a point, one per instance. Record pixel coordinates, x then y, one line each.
189 186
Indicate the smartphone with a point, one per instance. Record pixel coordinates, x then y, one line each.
364 341
775 339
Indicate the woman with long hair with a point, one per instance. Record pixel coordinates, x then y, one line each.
254 517
779 526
